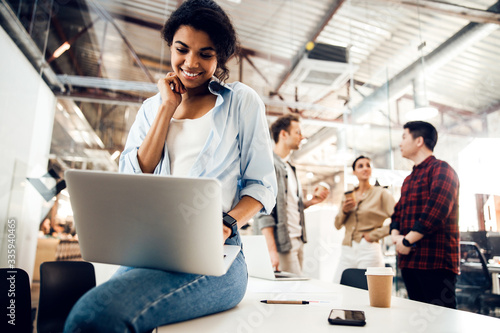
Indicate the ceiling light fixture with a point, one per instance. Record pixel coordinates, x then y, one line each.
115 155
63 48
422 113
422 110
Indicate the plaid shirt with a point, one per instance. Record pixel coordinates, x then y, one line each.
429 205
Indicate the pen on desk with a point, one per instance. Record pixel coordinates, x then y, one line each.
284 302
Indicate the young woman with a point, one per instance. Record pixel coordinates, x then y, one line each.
363 215
196 126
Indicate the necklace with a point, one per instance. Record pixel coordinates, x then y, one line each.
364 193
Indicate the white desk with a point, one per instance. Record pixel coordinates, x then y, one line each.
252 316
494 269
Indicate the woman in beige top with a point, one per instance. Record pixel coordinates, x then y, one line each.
363 214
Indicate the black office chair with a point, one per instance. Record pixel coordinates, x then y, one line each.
15 301
62 283
494 244
474 279
489 301
354 277
478 237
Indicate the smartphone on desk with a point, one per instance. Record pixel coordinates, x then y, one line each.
347 317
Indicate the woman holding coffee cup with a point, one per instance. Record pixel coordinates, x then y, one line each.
363 213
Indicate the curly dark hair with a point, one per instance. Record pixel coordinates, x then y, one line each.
207 16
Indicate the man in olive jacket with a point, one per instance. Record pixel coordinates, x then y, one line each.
284 228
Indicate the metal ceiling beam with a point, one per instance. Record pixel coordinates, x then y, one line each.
444 53
467 13
245 56
244 51
102 99
105 83
491 109
16 31
445 108
106 16
271 57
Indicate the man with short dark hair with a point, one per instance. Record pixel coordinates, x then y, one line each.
425 221
284 228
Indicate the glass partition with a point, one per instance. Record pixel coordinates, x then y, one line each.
95 63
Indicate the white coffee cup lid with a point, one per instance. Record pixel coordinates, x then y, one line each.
325 185
379 271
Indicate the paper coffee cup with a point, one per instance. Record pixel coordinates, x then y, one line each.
380 286
350 194
321 187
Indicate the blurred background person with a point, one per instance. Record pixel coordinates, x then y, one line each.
61 229
45 229
362 213
284 228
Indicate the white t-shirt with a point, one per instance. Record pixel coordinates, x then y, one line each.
293 214
185 140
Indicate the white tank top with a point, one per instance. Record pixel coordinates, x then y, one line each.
185 140
292 206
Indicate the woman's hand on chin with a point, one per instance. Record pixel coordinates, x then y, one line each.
171 89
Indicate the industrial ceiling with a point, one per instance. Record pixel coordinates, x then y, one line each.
102 58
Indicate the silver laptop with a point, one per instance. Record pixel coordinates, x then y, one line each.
163 222
259 261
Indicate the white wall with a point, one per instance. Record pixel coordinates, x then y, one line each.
26 119
322 251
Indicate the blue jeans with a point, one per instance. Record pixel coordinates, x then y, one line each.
140 299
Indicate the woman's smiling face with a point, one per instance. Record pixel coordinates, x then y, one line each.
193 56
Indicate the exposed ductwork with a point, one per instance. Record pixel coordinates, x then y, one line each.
467 36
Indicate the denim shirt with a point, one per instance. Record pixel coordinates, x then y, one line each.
278 217
238 150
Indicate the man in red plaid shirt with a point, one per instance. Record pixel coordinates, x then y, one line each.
425 221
